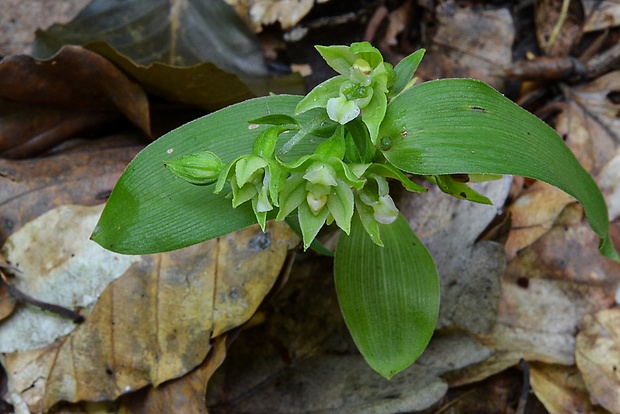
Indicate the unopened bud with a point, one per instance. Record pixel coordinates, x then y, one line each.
202 168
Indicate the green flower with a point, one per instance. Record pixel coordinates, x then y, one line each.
361 87
256 177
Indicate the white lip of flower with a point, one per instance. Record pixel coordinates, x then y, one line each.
263 204
316 202
342 110
385 211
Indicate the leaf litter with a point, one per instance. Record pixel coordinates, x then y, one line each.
553 305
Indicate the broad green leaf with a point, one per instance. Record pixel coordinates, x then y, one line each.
463 126
389 295
150 210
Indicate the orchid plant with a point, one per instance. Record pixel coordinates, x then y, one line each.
330 158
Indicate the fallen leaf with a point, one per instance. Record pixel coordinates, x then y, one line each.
179 33
460 52
601 14
302 360
609 182
44 102
29 188
155 322
561 389
57 264
532 215
469 272
598 357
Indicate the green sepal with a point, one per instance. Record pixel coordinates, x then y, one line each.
333 146
265 143
359 147
340 58
201 168
246 167
367 217
373 115
389 296
317 246
458 189
310 223
292 195
318 97
366 51
340 204
389 171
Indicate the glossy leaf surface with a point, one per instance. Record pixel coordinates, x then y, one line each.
389 295
463 126
150 210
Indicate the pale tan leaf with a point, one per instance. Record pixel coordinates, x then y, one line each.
601 14
609 181
266 12
598 357
561 389
57 264
155 323
533 214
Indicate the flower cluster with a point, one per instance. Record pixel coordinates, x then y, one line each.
346 174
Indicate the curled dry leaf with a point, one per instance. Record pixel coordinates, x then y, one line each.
598 357
609 181
561 389
558 33
76 91
155 322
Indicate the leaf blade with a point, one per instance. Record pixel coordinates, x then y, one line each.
389 301
150 210
454 126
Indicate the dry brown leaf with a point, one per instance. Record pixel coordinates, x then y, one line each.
598 357
155 322
532 215
462 52
29 188
590 124
601 14
561 389
609 182
47 101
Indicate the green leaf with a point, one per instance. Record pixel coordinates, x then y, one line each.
405 69
150 210
389 295
463 126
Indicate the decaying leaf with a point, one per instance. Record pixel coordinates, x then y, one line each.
57 264
533 214
155 322
459 51
598 357
302 360
29 188
558 33
601 14
609 181
561 389
179 33
470 272
47 101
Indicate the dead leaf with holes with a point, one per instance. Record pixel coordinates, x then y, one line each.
598 357
154 323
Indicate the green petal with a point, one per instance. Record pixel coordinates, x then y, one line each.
373 114
340 205
293 194
318 97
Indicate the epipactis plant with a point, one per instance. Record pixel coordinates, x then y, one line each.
330 157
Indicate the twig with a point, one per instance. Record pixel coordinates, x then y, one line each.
50 307
525 391
558 25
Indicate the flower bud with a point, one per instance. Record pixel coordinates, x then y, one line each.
202 168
